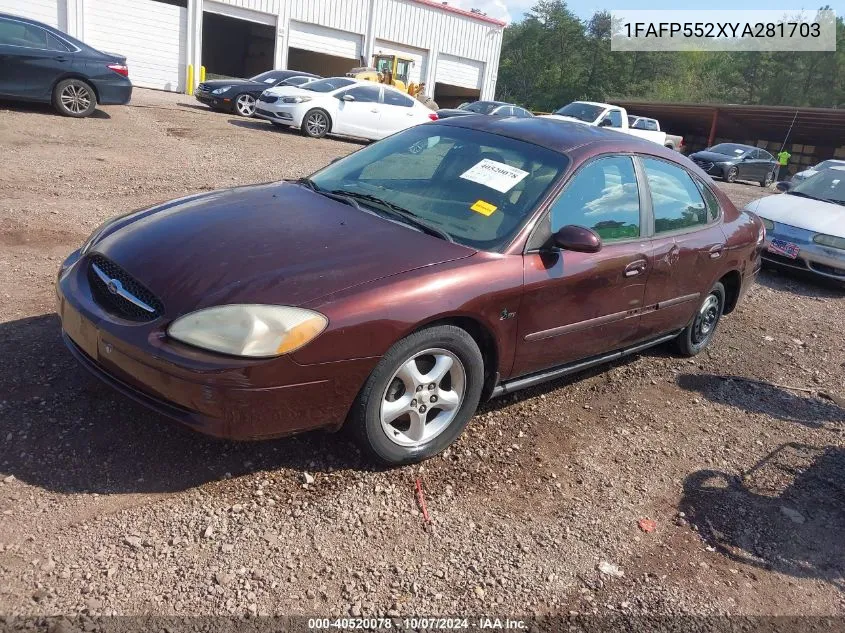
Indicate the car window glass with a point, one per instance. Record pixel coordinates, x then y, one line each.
755 154
19 34
651 125
676 200
765 155
392 97
55 44
710 199
604 197
522 113
615 117
477 186
362 94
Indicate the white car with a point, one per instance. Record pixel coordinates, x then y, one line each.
812 171
805 228
342 105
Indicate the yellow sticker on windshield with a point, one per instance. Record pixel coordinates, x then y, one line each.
484 208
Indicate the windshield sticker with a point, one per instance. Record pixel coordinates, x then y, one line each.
495 175
484 208
269 81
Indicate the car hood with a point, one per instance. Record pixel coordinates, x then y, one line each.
292 90
804 213
279 243
713 157
220 83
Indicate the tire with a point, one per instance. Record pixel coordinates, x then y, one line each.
245 105
445 356
731 174
700 332
768 180
316 123
74 98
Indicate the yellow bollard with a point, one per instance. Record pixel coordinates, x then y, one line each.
189 89
202 74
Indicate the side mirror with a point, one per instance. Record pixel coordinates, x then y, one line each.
347 98
577 238
606 122
783 186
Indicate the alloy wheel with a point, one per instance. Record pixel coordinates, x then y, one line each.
731 176
423 397
706 319
245 105
317 124
76 98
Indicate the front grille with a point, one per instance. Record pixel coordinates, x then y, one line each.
115 303
268 99
705 165
201 88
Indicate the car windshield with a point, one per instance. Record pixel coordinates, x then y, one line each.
296 81
269 77
581 111
480 107
328 85
728 149
478 188
828 185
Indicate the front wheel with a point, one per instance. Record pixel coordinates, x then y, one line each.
315 124
731 174
420 396
245 105
698 334
74 98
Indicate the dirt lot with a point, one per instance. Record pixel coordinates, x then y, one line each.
109 509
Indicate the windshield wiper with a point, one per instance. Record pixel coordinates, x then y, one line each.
408 217
831 200
334 195
801 194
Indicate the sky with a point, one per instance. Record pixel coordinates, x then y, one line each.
512 10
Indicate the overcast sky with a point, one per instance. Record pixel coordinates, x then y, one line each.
512 10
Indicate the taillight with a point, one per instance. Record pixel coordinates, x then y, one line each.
120 69
433 116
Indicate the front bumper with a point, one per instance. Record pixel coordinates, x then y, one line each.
219 103
227 397
283 114
814 258
711 169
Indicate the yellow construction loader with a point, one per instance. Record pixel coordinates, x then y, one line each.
394 71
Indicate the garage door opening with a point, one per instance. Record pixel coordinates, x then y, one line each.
236 48
448 96
320 63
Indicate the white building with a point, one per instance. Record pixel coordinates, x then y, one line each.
455 52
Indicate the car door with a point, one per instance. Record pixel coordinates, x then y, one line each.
32 60
397 112
576 305
687 245
359 111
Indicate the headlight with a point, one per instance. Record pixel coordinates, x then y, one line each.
770 226
252 330
220 91
830 240
295 99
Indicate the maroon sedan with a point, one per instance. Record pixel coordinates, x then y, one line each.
397 287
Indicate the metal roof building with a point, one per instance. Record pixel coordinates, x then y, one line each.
455 52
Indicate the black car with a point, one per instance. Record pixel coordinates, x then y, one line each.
493 108
239 95
733 161
40 63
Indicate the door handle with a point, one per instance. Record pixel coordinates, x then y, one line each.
635 268
716 251
60 58
374 111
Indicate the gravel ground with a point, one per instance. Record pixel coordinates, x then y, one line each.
110 509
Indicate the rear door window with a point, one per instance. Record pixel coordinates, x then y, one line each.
391 97
362 94
675 198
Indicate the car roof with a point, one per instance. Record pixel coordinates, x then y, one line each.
20 18
559 136
749 147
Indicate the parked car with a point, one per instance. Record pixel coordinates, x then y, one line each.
673 141
342 105
734 161
604 115
805 229
492 108
40 63
394 290
239 95
812 171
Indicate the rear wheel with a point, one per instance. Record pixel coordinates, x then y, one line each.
698 334
74 98
316 123
420 396
768 180
245 105
731 174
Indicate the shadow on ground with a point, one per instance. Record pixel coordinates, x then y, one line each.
63 430
763 398
259 124
800 282
787 513
45 109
